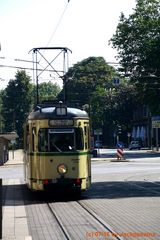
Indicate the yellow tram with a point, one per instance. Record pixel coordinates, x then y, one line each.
57 148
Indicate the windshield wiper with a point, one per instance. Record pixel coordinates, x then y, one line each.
59 150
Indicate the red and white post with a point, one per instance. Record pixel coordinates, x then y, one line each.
120 153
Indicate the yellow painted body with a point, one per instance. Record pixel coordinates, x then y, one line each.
40 166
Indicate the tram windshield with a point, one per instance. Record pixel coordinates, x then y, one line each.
60 140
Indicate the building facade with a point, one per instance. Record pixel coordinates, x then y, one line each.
142 127
5 138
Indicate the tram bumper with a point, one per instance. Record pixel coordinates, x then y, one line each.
62 183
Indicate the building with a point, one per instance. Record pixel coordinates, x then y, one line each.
143 128
5 139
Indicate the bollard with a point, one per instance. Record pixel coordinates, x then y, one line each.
120 154
0 208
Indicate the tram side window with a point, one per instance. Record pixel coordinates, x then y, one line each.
86 137
27 137
43 140
79 139
33 138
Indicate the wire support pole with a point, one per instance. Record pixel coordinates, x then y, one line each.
37 87
49 64
65 69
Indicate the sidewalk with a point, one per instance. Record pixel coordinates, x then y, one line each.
14 224
14 219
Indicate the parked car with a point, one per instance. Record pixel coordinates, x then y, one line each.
98 144
134 145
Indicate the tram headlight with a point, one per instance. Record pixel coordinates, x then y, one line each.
62 169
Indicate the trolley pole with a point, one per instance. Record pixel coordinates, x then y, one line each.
0 208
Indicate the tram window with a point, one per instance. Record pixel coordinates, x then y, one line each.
33 138
43 140
79 139
85 130
61 140
86 141
27 137
87 136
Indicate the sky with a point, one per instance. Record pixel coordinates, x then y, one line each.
84 26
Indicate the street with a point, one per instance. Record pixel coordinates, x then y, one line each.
122 203
136 161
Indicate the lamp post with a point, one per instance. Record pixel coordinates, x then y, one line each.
128 135
156 125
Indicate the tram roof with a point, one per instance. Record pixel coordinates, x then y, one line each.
50 113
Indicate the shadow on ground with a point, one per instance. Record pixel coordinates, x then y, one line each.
20 195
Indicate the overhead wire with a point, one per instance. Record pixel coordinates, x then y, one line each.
56 27
54 32
58 23
27 68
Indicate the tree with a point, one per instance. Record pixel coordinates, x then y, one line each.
47 91
17 101
137 40
113 107
84 77
90 83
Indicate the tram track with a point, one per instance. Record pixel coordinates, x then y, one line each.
89 224
91 219
66 218
100 220
69 219
62 227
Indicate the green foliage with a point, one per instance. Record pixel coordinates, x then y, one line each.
84 77
137 40
47 91
90 83
98 107
17 101
112 107
149 87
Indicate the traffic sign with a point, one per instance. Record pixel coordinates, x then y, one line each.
156 122
116 81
